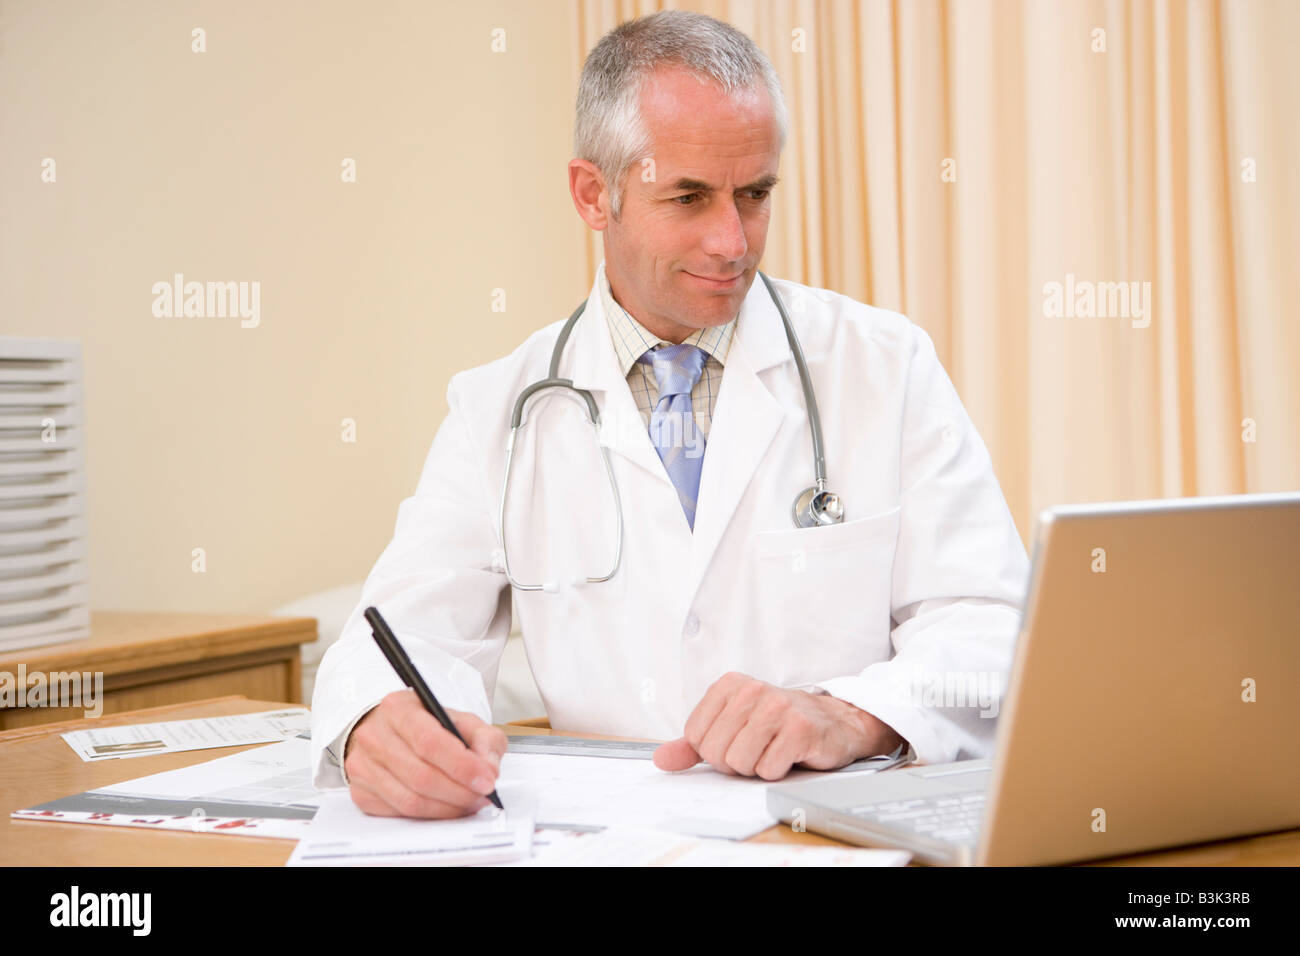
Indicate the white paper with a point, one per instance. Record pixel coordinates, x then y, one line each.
639 846
607 791
175 736
343 835
266 791
276 775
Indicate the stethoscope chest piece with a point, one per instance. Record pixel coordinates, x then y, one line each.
815 508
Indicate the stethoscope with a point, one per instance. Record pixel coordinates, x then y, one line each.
814 507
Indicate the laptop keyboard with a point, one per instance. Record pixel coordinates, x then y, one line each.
952 817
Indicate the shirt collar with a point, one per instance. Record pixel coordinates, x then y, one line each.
632 339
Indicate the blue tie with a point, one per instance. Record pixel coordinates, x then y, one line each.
673 431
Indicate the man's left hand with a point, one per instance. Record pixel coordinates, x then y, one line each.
749 727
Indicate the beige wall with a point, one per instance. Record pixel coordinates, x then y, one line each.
225 165
1119 164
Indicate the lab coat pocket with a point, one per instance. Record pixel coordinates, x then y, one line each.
823 597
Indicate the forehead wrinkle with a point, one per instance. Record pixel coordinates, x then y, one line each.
760 150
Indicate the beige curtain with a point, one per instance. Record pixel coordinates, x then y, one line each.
955 160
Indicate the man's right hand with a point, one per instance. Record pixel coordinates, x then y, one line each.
400 761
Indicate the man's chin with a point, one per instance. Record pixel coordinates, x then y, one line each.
713 318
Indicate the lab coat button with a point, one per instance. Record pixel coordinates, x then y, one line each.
692 626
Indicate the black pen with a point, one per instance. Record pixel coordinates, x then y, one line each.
383 635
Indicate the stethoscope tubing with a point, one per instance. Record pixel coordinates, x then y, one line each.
553 380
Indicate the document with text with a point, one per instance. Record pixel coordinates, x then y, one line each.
175 736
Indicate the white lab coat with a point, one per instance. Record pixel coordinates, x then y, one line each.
914 597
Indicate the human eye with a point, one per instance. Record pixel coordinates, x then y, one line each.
758 195
677 199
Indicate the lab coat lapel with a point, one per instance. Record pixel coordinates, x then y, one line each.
744 423
591 363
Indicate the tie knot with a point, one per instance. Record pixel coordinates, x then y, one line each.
677 368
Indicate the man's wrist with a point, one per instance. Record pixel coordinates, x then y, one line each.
342 756
871 735
347 741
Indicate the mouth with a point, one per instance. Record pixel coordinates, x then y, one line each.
724 283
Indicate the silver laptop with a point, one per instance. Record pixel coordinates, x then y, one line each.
1151 704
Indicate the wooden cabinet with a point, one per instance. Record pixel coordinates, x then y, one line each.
153 659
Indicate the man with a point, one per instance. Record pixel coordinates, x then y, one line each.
739 638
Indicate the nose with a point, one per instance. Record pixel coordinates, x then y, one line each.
724 235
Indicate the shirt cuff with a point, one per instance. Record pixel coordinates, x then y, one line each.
335 751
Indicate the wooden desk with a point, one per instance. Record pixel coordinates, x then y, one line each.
153 659
36 766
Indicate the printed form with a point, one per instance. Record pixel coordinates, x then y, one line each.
174 736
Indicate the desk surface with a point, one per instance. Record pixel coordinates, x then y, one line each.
36 765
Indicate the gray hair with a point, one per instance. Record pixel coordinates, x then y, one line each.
609 130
